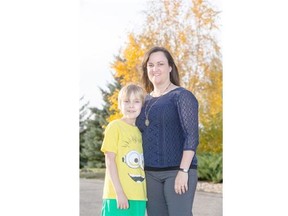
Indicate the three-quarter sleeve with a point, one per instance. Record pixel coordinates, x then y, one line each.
188 113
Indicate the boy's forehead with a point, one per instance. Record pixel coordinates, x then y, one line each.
131 95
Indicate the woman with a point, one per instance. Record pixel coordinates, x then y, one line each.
169 125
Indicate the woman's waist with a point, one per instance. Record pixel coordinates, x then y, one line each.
165 163
149 168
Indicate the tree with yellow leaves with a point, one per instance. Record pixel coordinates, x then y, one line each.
188 29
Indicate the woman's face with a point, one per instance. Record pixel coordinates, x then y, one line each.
158 68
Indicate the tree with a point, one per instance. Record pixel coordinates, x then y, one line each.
82 128
189 30
93 136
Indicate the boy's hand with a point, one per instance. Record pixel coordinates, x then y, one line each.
122 201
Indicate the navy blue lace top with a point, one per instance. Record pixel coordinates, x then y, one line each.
173 128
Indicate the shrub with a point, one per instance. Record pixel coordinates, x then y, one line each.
210 167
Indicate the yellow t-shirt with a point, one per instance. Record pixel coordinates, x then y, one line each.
126 142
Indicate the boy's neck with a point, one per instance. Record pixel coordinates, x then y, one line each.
129 121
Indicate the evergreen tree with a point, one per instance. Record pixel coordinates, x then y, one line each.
83 116
93 136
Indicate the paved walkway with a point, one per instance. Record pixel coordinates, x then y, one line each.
205 204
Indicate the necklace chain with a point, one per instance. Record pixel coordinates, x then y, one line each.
148 111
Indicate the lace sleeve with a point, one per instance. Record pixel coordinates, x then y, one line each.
188 114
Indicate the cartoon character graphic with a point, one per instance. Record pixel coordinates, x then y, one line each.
134 160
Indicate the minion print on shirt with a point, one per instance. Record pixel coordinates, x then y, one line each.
134 160
126 142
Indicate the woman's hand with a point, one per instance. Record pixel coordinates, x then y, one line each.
122 201
181 183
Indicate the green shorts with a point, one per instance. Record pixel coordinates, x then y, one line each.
136 208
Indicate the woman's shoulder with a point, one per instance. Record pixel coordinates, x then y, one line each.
184 94
182 90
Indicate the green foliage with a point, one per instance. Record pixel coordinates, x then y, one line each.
93 140
210 167
92 173
94 133
83 116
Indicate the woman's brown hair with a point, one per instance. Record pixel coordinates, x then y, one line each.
174 75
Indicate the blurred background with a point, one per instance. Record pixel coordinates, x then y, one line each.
113 41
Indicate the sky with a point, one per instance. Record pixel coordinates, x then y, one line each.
103 27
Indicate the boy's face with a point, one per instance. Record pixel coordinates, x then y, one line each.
131 107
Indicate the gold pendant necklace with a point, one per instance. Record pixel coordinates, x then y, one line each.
147 122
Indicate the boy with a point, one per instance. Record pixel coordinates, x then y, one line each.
125 184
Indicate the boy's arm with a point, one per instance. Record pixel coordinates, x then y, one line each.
122 201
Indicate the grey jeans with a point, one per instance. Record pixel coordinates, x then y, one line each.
162 199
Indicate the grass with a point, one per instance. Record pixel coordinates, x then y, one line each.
97 173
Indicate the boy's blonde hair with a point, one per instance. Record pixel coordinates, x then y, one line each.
128 89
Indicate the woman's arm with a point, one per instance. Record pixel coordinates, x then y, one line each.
122 201
181 181
188 115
